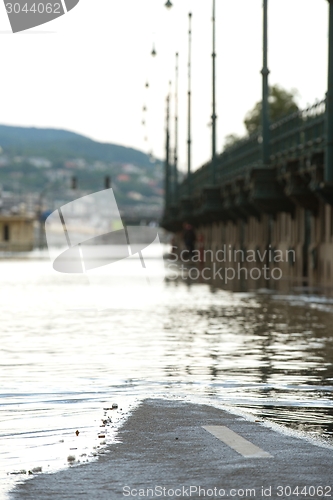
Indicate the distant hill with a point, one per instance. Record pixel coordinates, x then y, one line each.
58 145
36 160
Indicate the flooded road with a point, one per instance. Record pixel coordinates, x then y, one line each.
265 354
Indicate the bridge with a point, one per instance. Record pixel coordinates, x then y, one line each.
271 189
244 186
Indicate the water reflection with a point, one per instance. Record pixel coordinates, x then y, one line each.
266 351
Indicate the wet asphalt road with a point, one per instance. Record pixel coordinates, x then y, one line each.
166 453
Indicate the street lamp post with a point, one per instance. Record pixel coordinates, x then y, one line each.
211 193
214 117
265 89
329 103
189 93
175 157
167 154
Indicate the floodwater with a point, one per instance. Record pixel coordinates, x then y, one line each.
63 363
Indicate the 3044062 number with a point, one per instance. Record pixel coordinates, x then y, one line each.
35 8
308 491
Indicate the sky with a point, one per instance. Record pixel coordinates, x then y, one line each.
86 71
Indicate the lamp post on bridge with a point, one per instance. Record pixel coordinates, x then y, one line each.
167 154
211 193
185 201
174 175
265 89
214 117
189 110
324 189
186 204
175 155
329 103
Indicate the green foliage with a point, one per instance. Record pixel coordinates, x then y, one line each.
281 103
230 140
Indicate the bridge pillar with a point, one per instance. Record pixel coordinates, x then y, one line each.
329 102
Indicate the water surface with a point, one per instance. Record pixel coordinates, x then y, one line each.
61 365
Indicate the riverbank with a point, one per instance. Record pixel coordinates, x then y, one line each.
170 448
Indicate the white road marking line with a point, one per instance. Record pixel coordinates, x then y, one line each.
236 442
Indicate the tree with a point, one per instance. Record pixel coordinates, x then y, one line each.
230 140
281 103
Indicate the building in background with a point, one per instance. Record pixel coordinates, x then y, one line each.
16 233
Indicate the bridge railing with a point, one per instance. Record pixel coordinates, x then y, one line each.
239 157
303 129
233 161
199 179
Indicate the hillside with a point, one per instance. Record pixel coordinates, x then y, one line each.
33 160
57 145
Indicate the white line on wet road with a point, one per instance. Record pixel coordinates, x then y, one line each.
236 442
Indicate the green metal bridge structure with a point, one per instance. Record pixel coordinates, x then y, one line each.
284 165
245 186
